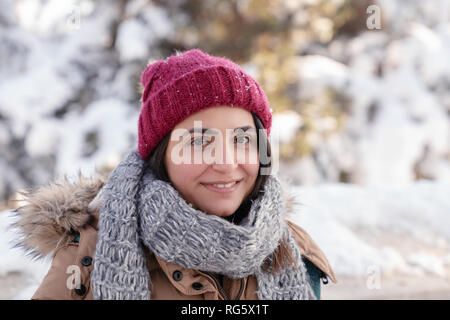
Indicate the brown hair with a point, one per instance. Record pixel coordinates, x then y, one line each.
283 254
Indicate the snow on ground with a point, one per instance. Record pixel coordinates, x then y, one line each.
382 242
367 233
19 275
360 227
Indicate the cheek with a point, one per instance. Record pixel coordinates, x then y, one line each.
251 170
182 175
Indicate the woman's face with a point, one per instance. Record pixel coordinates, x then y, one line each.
214 162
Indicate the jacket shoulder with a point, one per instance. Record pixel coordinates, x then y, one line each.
311 251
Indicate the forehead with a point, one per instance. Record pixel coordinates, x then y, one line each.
220 117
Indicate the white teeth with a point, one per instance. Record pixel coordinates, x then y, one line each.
228 185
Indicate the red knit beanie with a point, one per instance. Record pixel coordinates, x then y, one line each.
189 82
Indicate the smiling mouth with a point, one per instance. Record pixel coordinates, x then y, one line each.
222 187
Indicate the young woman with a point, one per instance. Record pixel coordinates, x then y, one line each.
193 213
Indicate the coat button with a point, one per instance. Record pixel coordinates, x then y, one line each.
77 238
86 261
80 291
197 286
177 275
324 277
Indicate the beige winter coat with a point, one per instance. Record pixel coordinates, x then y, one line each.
60 219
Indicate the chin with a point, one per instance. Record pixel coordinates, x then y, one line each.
220 212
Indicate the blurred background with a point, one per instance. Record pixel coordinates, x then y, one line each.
360 92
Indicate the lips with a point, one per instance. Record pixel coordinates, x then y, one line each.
222 186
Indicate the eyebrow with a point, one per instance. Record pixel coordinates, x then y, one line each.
203 130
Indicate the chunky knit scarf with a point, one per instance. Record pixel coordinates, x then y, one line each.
139 210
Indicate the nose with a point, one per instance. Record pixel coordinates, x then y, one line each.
225 158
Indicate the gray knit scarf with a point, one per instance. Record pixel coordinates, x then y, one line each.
139 210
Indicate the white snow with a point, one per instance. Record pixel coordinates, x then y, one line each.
428 263
113 121
130 43
361 226
14 260
285 125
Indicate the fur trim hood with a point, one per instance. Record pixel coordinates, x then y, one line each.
52 215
